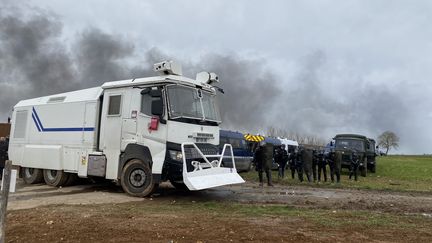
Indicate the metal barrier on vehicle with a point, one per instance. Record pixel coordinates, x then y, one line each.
205 173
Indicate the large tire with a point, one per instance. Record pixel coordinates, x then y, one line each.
55 177
137 180
72 178
32 175
179 186
373 168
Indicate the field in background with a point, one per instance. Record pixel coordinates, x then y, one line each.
396 172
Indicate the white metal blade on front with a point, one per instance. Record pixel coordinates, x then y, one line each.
211 177
209 174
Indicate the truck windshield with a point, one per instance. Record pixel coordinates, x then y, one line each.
350 144
192 103
372 146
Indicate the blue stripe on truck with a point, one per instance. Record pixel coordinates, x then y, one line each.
37 125
41 128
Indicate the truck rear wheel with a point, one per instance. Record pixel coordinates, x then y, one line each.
55 177
32 175
136 179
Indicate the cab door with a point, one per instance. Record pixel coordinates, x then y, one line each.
152 124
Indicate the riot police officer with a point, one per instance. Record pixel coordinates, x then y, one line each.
354 165
307 158
314 164
296 164
263 159
322 166
291 162
3 153
281 157
334 161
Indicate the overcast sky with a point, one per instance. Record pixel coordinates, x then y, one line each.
313 67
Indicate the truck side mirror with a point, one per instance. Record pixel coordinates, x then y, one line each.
155 93
157 107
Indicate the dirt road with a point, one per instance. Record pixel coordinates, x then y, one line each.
103 213
309 197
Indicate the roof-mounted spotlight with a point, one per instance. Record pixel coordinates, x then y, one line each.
208 78
168 67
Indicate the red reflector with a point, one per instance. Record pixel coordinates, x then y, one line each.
154 123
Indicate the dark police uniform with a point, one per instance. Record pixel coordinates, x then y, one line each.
281 157
3 155
314 164
264 159
354 165
334 161
292 163
321 166
307 157
299 165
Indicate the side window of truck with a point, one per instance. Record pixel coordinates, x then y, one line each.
114 105
146 100
146 103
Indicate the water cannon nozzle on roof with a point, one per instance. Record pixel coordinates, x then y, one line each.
168 67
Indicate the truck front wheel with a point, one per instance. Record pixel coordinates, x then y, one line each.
55 177
32 175
136 179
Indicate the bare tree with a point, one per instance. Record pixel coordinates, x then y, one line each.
388 140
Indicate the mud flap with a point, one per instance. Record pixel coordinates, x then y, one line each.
208 174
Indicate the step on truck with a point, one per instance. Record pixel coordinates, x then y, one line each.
137 132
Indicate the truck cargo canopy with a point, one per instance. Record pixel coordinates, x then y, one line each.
91 94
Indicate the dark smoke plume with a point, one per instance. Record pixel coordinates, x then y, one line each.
35 62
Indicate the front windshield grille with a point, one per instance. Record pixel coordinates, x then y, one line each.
185 102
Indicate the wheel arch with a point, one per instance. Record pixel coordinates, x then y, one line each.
134 151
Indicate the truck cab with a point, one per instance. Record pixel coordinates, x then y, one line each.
346 144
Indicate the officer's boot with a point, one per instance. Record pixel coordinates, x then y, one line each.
332 174
300 175
260 176
269 178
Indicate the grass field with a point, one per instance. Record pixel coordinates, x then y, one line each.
400 173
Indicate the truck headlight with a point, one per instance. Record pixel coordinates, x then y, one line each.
176 155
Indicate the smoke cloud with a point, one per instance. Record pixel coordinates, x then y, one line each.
35 61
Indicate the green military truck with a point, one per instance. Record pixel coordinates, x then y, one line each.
371 154
346 144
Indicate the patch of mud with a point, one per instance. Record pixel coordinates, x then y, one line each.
30 196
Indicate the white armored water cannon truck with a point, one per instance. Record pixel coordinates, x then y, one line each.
137 132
